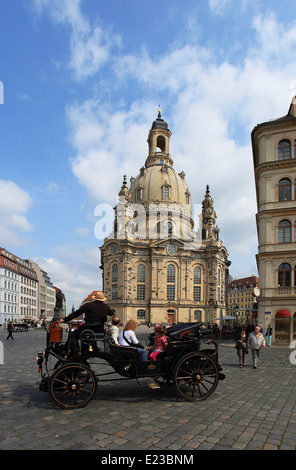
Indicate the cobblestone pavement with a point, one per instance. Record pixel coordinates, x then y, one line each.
251 409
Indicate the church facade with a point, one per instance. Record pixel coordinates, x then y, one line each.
156 266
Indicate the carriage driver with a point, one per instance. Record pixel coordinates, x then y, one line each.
95 315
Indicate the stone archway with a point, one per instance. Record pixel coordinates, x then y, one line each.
171 315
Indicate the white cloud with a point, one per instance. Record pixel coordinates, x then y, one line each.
107 145
52 186
14 204
83 231
75 270
219 7
90 46
212 108
23 96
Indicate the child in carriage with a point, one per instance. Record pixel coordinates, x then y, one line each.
160 343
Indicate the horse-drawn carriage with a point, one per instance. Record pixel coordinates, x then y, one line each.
193 372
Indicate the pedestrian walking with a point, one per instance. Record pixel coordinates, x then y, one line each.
241 346
256 341
10 330
268 335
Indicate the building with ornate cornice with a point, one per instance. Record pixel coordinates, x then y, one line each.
18 288
156 267
274 157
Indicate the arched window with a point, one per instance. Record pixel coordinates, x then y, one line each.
114 272
284 231
284 275
284 150
285 189
197 315
141 273
141 278
141 314
168 228
197 284
139 194
197 276
114 278
166 192
161 143
171 279
219 277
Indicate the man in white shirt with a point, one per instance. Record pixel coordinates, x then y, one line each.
113 331
256 341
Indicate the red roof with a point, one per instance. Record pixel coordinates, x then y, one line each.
90 296
244 282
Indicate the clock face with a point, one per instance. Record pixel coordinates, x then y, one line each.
113 249
256 292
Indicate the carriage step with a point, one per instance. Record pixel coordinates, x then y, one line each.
153 386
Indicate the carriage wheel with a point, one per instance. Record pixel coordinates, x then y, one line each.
72 385
196 376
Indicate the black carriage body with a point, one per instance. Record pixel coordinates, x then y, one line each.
184 365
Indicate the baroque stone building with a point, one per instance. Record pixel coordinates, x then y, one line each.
156 267
274 154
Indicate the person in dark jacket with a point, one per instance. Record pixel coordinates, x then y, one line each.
10 330
95 315
241 346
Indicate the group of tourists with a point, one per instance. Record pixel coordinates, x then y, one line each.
96 314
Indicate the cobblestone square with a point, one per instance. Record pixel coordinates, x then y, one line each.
249 410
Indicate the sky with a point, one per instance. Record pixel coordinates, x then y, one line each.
80 85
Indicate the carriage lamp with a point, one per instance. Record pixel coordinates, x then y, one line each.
39 360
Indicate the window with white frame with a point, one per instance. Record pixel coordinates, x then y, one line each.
171 279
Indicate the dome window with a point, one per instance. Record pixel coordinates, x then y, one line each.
166 192
139 194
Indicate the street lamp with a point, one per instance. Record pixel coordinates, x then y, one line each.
247 314
236 309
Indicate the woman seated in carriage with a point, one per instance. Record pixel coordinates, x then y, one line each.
128 337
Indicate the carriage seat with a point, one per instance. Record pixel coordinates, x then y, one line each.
123 353
90 336
97 328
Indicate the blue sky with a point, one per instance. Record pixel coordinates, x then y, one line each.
82 82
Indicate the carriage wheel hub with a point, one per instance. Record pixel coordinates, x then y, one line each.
196 377
73 387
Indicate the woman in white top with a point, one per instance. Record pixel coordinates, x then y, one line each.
127 337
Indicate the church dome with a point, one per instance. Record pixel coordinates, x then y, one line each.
159 124
159 183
